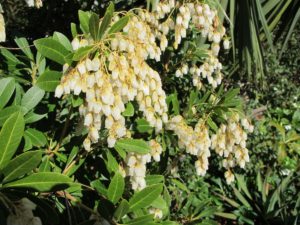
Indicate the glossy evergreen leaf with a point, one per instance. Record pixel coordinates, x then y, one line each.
7 87
82 52
145 197
10 137
8 111
133 145
122 210
106 20
42 182
36 137
52 49
21 165
116 188
62 39
119 25
48 80
32 97
24 46
84 18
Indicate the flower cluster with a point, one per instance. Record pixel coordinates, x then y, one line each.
136 169
196 141
210 70
205 20
110 81
230 142
136 165
23 214
156 150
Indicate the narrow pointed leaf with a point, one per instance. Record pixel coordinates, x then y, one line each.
119 25
7 87
42 182
94 24
145 197
116 188
24 46
21 165
106 20
48 80
133 145
10 137
122 209
52 49
32 97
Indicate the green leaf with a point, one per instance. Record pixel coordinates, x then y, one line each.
100 188
231 95
122 209
212 124
11 58
27 144
142 220
24 46
45 165
48 80
116 188
133 145
21 165
10 137
84 18
230 216
32 97
32 117
7 87
52 49
62 39
111 163
241 198
143 126
106 20
129 110
94 24
180 185
208 211
159 203
119 25
36 137
120 151
154 179
175 103
242 184
82 52
42 182
145 197
8 111
73 30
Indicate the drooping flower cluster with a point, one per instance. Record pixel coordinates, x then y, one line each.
23 214
230 142
196 141
136 165
205 20
137 169
110 81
